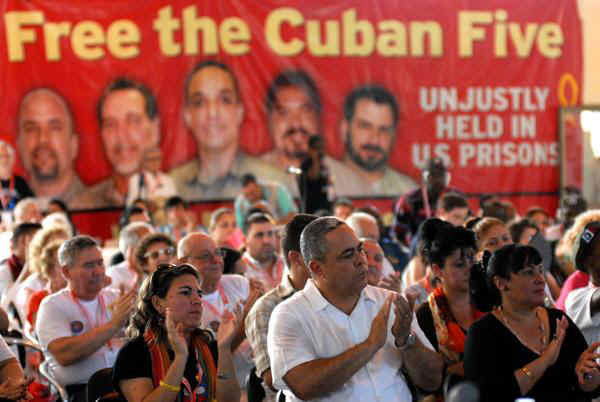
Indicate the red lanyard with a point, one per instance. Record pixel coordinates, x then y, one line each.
213 308
272 282
84 312
7 194
199 375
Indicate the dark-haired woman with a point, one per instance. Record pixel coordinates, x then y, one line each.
168 357
523 348
448 312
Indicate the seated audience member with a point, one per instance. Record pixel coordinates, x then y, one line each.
155 249
342 208
275 195
132 214
221 293
50 273
375 266
13 385
366 226
127 275
571 205
30 280
583 304
223 229
27 210
168 357
77 324
262 261
180 220
58 205
540 217
522 231
58 219
448 313
523 349
232 261
337 339
13 188
11 268
257 321
452 207
491 234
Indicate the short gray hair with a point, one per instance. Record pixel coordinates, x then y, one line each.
70 249
22 205
129 238
312 241
355 221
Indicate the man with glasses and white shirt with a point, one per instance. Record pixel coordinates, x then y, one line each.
221 293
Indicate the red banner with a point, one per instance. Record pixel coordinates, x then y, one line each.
477 85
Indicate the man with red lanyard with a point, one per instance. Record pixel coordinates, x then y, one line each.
261 258
77 324
419 204
221 293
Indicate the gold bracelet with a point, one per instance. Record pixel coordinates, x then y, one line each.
169 386
525 370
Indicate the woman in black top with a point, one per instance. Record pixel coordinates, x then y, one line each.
522 348
169 358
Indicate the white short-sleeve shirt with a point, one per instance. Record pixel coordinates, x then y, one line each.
5 352
121 276
58 317
235 290
307 327
577 307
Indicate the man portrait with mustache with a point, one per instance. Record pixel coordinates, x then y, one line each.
369 132
127 113
47 144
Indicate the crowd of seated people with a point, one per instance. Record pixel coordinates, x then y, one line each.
268 304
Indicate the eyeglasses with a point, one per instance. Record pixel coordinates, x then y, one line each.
168 251
207 256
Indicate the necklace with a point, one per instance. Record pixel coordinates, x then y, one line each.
515 333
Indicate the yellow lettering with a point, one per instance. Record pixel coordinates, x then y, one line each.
550 40
52 34
523 43
18 36
418 31
273 24
392 38
500 45
468 32
318 47
352 28
121 38
85 38
191 26
234 34
166 25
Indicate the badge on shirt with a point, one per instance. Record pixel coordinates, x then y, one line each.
76 327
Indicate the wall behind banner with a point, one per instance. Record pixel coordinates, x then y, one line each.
476 85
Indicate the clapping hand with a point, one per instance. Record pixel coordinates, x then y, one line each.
15 390
230 326
587 364
175 334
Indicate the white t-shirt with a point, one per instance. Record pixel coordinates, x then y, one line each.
577 307
6 279
307 327
59 316
121 276
235 289
29 286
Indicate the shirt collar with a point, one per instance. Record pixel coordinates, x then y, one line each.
285 288
319 302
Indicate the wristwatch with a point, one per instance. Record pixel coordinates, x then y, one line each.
410 341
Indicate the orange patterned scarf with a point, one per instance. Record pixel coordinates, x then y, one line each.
450 336
206 366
